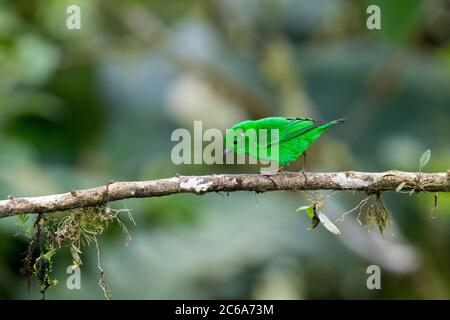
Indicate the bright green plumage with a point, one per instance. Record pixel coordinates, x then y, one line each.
295 135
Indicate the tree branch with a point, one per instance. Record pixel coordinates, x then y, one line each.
350 180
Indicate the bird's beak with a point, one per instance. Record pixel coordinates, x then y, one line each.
227 150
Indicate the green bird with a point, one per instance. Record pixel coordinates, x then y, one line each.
295 135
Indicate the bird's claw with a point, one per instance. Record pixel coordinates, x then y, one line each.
304 175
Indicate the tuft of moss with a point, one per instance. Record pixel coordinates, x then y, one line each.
74 229
378 214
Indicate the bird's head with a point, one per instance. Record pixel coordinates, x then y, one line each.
235 138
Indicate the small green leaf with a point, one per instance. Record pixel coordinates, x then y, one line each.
424 158
400 186
328 224
302 208
49 254
310 212
22 218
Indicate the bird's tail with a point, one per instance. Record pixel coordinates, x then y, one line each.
336 121
327 124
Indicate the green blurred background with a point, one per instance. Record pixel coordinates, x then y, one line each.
81 107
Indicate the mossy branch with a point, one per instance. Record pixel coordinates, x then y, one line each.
369 182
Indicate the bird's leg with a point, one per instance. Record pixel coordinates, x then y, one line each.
271 171
304 161
269 174
304 166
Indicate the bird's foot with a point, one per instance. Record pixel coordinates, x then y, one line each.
304 174
270 171
304 167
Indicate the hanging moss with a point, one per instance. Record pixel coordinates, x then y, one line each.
75 229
